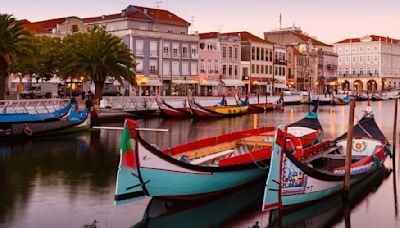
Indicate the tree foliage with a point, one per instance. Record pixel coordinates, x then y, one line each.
14 45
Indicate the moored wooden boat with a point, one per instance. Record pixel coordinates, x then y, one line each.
193 170
74 122
264 107
314 173
8 118
200 111
169 111
199 168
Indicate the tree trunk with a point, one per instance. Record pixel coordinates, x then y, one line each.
99 87
3 77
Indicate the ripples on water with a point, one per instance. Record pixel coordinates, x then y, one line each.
69 181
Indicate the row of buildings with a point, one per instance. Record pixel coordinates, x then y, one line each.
171 61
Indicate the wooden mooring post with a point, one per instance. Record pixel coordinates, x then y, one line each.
349 146
396 101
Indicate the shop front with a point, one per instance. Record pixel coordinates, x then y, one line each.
232 86
147 86
209 87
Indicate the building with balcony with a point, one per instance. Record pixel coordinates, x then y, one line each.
259 53
369 63
309 59
280 68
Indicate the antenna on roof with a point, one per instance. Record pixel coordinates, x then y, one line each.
280 21
158 3
219 28
191 23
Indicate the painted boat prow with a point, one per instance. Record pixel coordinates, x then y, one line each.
129 185
271 198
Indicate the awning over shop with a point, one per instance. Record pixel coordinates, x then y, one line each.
233 82
151 82
180 81
209 83
263 83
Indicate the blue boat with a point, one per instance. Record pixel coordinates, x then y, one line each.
8 118
75 121
301 175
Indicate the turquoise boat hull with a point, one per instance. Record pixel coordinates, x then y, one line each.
147 171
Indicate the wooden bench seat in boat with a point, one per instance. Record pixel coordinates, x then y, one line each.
320 154
256 155
198 153
212 157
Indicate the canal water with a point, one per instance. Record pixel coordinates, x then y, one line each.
69 181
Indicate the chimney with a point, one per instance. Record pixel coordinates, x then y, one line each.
123 13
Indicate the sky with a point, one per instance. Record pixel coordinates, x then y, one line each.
329 21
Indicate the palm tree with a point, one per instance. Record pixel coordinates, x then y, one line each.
12 40
100 55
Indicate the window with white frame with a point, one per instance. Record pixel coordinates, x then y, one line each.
209 66
166 49
339 51
235 70
230 70
153 49
340 60
185 68
361 49
361 59
347 49
354 59
216 66
224 53
139 66
194 51
368 49
230 53
139 47
369 59
175 50
369 71
236 53
202 66
166 68
361 71
354 50
175 68
193 68
376 59
354 71
224 69
153 67
185 52
347 60
376 48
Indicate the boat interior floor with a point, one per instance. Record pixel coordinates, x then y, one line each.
211 155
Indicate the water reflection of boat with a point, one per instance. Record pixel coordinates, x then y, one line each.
204 213
264 107
330 211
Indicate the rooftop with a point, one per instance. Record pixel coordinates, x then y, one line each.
32 27
246 36
371 38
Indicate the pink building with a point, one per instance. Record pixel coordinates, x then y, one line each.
220 62
209 63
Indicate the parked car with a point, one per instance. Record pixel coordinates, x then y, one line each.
290 91
40 90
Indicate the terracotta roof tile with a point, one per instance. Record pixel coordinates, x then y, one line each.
209 35
32 26
51 23
246 36
142 13
373 37
306 38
